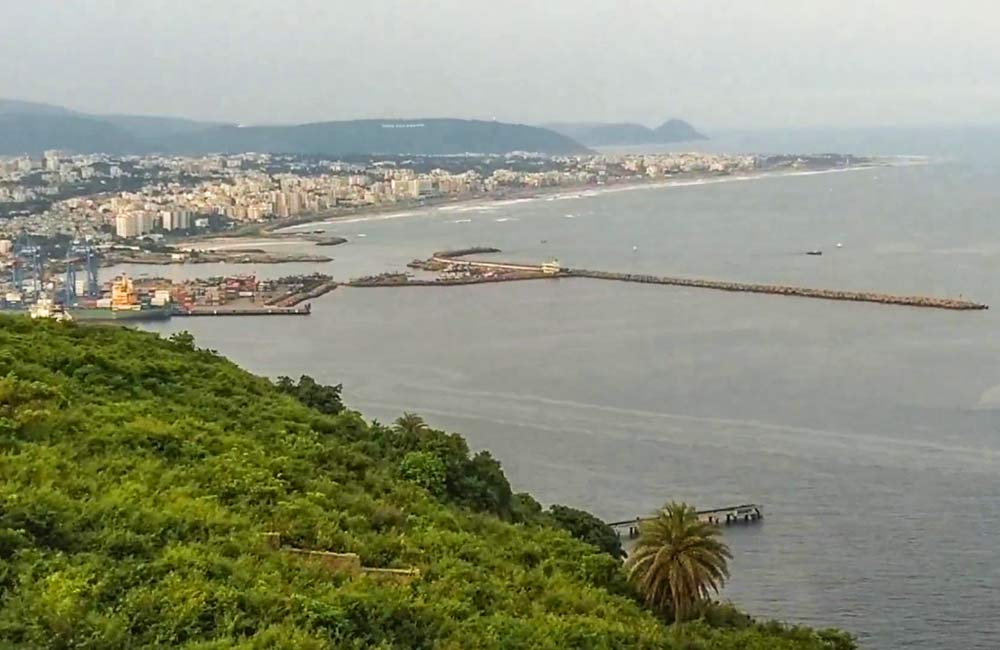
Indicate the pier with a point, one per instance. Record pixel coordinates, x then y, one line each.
746 513
314 290
248 310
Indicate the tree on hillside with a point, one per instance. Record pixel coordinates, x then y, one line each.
410 423
325 399
425 469
587 527
678 561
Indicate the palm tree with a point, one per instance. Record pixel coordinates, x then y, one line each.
678 561
410 423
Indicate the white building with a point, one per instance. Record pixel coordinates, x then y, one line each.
175 219
146 222
134 224
421 187
126 225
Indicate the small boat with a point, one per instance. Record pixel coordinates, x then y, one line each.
840 245
814 252
635 248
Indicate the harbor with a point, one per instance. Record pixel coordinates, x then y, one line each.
149 299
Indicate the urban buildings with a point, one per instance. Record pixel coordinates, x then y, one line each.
101 197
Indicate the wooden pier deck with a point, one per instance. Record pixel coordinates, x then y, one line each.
745 513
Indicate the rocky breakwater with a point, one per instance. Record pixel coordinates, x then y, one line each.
463 252
299 289
784 290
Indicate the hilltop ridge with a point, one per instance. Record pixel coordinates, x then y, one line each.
599 134
27 127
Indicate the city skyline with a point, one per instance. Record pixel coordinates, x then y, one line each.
733 66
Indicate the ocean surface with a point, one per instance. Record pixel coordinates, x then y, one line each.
870 433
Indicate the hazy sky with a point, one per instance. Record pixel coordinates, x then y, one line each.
717 63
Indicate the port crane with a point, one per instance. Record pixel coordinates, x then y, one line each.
77 254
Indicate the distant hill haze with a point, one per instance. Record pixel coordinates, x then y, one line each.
31 128
597 134
428 136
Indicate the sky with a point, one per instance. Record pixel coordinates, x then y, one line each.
718 63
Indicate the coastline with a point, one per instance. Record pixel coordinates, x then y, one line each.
299 227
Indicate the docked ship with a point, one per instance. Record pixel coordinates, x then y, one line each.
123 305
45 307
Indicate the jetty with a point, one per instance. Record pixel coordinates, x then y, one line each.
746 513
456 269
318 286
786 290
244 310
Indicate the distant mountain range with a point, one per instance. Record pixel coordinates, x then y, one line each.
27 127
597 134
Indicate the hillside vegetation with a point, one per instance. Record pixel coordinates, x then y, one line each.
137 476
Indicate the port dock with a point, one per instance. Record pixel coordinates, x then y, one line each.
248 310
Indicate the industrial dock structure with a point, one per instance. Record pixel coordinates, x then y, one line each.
131 299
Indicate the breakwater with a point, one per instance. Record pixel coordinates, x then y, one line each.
784 290
462 252
308 293
403 280
480 272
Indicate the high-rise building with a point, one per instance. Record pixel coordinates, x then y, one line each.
419 187
127 225
281 206
50 162
146 222
175 219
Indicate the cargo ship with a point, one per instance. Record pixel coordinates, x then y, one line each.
122 306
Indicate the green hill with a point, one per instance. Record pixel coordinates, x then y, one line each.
18 107
32 134
139 474
27 127
418 136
